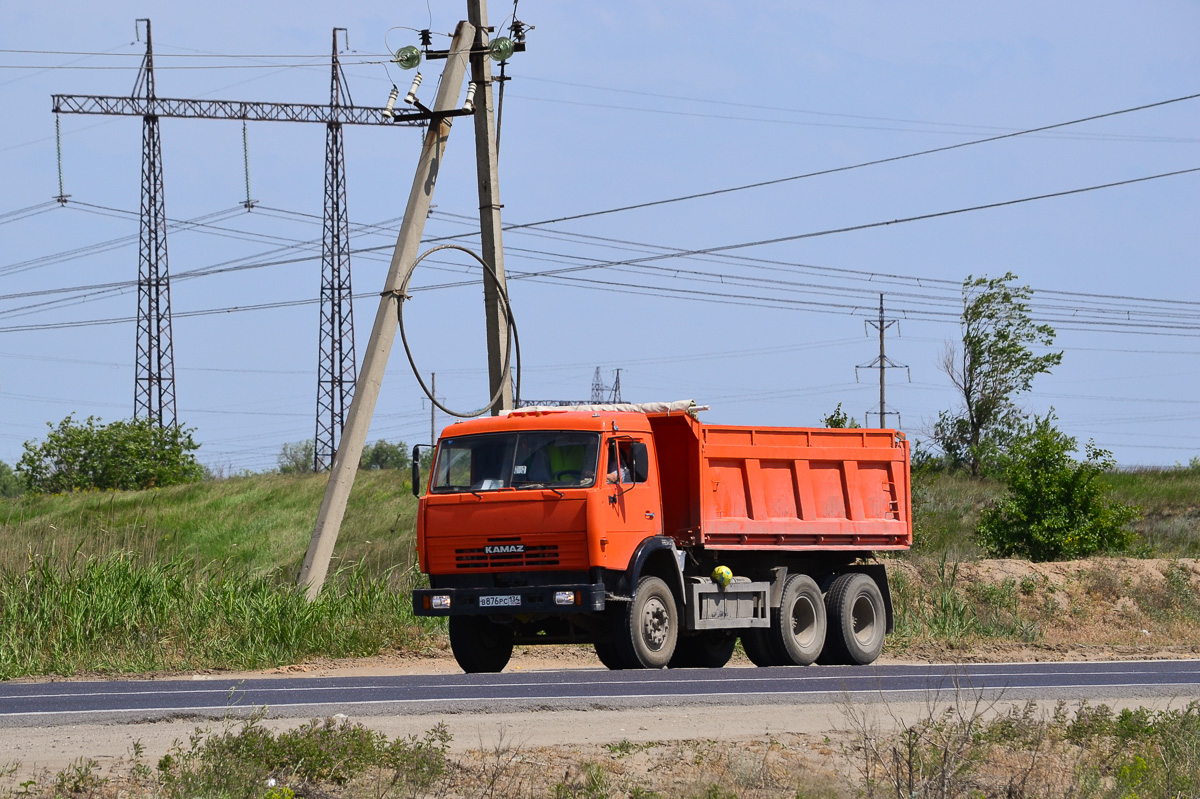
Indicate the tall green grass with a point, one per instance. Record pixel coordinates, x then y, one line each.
119 613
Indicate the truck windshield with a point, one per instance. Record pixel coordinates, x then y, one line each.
516 460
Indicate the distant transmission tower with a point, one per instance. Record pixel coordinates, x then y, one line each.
336 370
154 372
598 388
883 363
603 394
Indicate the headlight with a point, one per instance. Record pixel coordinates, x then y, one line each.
564 598
441 602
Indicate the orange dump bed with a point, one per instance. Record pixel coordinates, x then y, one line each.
759 488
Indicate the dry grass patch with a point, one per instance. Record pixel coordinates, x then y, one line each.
992 609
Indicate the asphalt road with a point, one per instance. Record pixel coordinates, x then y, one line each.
57 703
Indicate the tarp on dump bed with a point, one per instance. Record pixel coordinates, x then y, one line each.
678 406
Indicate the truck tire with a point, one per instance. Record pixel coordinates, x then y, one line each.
798 628
648 627
760 647
857 621
609 657
711 649
479 646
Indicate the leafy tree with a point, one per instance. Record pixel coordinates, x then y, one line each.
10 482
297 458
839 418
1054 507
995 364
122 455
386 455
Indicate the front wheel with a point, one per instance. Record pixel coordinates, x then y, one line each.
648 627
857 620
609 656
479 646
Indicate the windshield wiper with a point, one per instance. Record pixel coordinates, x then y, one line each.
523 486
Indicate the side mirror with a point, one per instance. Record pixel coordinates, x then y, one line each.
416 471
641 462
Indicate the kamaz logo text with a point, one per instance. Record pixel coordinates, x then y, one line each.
504 549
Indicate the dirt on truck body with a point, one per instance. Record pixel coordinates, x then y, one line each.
659 539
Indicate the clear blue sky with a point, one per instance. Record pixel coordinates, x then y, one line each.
617 103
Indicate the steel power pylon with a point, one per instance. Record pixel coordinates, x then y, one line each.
155 394
336 367
883 363
154 372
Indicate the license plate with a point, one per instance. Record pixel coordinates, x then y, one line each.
511 600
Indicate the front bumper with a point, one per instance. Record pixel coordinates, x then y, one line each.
496 601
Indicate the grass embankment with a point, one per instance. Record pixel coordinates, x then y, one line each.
202 576
257 524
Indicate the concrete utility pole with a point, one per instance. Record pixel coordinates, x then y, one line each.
489 207
433 409
383 333
883 363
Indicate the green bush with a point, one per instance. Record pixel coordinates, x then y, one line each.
1054 507
10 482
839 418
297 458
385 455
123 455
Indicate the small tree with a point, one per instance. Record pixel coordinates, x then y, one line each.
1054 507
995 364
122 455
385 455
297 458
839 418
10 482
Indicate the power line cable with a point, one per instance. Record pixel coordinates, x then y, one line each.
861 165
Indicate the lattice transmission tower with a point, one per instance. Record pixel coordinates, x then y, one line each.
336 366
155 382
154 370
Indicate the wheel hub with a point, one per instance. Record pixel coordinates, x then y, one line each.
655 624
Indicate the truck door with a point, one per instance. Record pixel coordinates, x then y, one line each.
633 503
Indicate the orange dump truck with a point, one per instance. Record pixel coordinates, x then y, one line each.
660 539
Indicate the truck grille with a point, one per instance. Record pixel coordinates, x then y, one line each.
536 555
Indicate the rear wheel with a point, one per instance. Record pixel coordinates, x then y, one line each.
711 649
798 631
760 648
857 621
480 646
649 626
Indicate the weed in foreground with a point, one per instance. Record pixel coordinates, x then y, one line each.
251 761
970 747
